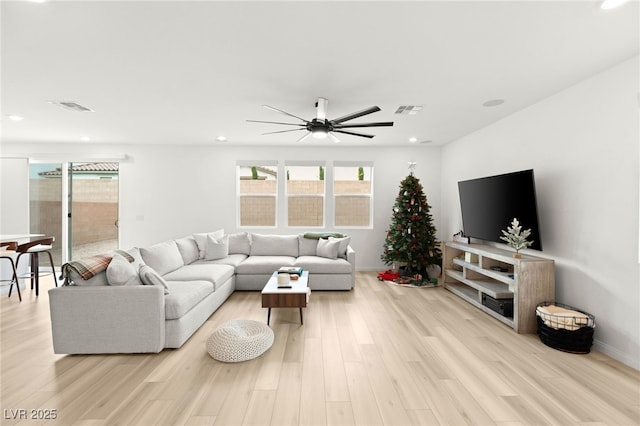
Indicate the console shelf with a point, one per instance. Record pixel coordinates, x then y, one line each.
471 270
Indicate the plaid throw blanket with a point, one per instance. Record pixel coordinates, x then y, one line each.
91 266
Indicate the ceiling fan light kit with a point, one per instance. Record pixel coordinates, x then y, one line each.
321 128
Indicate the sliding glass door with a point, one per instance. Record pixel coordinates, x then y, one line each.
93 209
45 204
87 223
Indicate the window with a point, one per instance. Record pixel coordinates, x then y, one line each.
305 191
301 198
353 193
257 194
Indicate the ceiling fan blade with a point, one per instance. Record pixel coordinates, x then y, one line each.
333 137
321 107
304 137
355 115
276 122
364 135
379 124
282 131
284 112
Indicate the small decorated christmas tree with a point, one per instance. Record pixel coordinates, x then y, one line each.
515 237
411 238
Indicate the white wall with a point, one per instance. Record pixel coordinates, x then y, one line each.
583 146
15 192
168 191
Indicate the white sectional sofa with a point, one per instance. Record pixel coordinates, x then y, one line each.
114 312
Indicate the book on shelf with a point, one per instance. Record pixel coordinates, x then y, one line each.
290 270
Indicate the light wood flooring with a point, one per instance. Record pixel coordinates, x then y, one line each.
380 354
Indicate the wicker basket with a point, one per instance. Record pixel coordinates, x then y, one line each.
565 332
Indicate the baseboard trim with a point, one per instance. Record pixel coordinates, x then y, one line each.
616 354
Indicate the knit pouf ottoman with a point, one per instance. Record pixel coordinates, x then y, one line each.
239 340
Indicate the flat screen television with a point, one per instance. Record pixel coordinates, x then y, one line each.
489 204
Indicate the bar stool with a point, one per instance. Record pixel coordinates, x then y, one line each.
7 248
33 249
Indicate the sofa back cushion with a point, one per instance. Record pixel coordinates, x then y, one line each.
163 257
274 245
307 246
188 249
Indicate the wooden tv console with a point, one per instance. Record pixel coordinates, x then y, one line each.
529 281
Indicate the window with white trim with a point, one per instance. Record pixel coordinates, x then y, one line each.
305 193
353 194
257 193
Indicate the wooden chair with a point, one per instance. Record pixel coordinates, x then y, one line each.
33 249
7 248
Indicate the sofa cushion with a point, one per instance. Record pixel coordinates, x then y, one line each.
274 245
344 243
322 265
137 257
183 296
211 272
201 240
328 248
239 243
217 248
307 246
150 276
264 264
188 249
97 280
121 272
162 257
101 278
231 260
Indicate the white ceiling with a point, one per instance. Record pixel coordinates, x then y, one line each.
185 72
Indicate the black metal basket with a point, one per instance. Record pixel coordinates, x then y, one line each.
566 333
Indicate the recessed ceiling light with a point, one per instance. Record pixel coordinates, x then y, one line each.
413 140
612 4
221 138
85 139
493 102
14 117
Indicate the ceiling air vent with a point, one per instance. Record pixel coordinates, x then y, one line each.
408 109
71 106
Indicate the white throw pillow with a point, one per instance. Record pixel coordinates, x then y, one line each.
121 272
201 240
239 243
217 249
188 249
149 276
328 248
344 243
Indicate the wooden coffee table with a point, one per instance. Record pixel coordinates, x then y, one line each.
294 296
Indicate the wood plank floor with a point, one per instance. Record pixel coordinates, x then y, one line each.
378 355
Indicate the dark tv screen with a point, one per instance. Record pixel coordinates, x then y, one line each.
489 205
